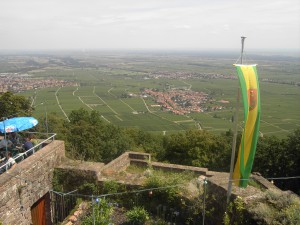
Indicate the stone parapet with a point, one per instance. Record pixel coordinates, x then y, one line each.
178 168
119 164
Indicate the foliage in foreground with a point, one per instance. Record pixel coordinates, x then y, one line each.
100 214
178 200
14 105
235 214
277 208
137 216
174 181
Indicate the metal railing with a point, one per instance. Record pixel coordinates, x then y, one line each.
21 156
62 205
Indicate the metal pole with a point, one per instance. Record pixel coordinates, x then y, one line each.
235 132
204 195
242 51
93 210
233 147
46 119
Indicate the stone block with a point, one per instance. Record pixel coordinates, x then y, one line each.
72 218
77 213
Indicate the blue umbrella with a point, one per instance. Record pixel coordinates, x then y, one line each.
17 124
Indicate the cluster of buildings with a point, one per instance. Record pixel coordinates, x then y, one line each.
186 75
179 101
15 82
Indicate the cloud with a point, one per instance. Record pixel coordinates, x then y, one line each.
183 26
130 23
226 27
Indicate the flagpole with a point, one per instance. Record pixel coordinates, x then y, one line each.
235 132
242 51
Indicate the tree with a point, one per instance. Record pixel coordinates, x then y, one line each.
53 123
176 148
198 148
90 138
146 142
14 105
292 166
279 158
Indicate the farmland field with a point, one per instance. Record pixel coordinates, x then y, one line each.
112 84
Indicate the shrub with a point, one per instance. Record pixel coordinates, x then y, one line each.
110 187
88 188
293 214
169 195
101 212
137 216
235 214
277 207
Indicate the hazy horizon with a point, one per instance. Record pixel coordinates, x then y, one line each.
189 25
201 52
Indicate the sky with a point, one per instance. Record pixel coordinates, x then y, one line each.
150 24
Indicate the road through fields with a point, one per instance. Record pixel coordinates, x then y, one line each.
58 103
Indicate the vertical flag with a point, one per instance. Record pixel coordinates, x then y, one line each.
251 99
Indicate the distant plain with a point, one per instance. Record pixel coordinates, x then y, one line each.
105 78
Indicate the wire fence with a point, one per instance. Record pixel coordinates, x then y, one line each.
170 214
61 205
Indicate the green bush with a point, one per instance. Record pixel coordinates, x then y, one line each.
88 188
137 216
293 214
169 195
110 186
100 213
235 214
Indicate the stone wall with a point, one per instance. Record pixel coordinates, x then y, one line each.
117 165
30 180
144 160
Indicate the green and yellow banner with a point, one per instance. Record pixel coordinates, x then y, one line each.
251 99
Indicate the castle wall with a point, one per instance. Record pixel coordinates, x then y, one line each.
30 180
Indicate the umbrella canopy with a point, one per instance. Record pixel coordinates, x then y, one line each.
17 124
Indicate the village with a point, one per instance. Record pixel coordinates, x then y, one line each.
16 82
182 102
187 75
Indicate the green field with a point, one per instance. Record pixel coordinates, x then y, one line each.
105 81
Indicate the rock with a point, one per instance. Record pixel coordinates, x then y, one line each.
77 213
73 219
83 205
148 173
